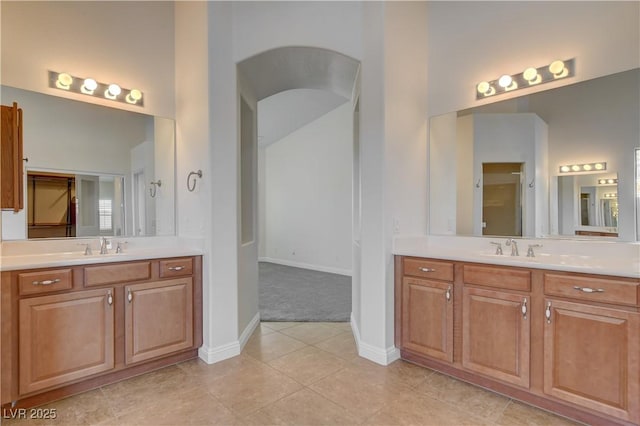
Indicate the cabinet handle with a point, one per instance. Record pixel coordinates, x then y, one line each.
176 268
447 294
109 298
423 269
524 308
547 313
46 282
129 296
589 289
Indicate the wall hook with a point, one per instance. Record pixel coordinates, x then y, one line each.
478 184
190 187
154 187
532 183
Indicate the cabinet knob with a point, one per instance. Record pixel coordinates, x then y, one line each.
547 313
447 294
109 298
524 308
129 296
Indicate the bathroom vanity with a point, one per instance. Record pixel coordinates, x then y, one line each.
77 323
547 330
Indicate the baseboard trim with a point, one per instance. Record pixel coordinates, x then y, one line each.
373 353
219 353
295 264
248 330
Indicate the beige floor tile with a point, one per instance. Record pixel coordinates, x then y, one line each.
311 332
304 407
194 407
247 390
519 414
271 346
342 345
399 372
412 409
278 325
158 386
343 326
360 395
308 365
472 399
197 367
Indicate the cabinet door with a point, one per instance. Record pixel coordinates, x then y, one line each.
496 335
65 337
592 357
427 318
158 318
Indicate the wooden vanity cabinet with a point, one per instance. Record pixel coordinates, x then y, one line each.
566 342
11 170
70 329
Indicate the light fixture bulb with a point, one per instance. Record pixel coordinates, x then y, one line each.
609 180
575 168
587 167
558 69
505 81
483 87
598 166
530 74
89 86
114 90
565 169
135 94
64 81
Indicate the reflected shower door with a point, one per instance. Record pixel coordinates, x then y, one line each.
502 199
87 216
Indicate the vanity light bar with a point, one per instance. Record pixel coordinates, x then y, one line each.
91 87
607 181
530 77
588 167
611 195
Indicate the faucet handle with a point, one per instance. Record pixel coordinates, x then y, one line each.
530 252
498 247
119 247
87 248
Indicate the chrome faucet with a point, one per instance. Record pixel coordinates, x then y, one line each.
514 246
530 252
498 248
103 245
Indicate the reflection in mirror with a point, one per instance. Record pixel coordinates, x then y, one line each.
586 122
502 199
587 207
107 157
71 205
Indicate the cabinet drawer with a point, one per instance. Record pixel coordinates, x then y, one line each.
115 273
176 267
607 290
428 269
45 281
498 277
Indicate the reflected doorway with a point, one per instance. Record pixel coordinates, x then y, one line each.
502 199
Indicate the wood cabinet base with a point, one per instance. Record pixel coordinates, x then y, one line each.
513 392
102 380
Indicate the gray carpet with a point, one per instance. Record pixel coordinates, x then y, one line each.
296 294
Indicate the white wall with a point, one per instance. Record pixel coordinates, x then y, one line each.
63 134
307 214
164 170
129 43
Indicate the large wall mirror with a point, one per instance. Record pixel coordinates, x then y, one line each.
499 164
92 171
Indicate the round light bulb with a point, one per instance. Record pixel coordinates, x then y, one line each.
530 74
587 167
564 169
483 87
65 79
575 168
505 81
610 181
598 166
135 94
114 90
556 67
90 84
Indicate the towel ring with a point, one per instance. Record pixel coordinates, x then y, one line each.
154 188
190 187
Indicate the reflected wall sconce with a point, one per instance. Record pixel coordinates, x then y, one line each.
91 87
588 167
607 181
529 77
611 195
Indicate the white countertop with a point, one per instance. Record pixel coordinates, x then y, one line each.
33 254
586 256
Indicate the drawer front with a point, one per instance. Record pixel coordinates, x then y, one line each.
176 267
428 269
45 281
497 277
115 273
582 287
